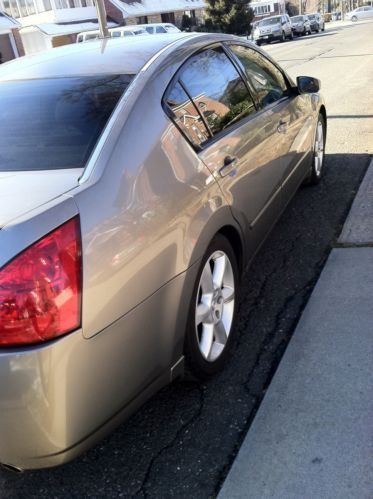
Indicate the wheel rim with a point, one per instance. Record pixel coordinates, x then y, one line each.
215 306
319 148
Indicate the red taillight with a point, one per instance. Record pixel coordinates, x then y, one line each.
40 290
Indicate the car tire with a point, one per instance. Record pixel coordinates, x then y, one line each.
211 322
318 153
354 19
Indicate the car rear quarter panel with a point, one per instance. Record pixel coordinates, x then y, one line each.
149 216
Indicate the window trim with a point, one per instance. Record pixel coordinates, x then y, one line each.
176 79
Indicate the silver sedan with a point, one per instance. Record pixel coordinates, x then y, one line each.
137 181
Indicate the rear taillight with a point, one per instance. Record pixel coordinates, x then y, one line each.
40 289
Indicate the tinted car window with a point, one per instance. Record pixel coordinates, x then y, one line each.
266 79
64 119
186 115
160 29
217 89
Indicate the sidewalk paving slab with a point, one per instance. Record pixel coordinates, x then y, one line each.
313 434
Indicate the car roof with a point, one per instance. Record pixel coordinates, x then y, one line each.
108 56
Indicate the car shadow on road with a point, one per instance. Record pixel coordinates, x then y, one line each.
182 442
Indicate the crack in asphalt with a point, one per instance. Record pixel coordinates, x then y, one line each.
180 431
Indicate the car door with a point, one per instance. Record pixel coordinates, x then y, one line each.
289 113
241 147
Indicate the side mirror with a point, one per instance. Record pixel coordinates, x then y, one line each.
308 85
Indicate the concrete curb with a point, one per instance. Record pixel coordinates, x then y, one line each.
358 228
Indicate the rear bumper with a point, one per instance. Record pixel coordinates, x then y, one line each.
59 399
268 38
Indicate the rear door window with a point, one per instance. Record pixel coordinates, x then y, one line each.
64 120
217 89
266 79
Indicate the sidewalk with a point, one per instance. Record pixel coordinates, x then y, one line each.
312 437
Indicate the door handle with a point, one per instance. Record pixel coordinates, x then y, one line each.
229 167
282 126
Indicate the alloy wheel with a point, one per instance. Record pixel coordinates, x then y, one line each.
215 306
319 148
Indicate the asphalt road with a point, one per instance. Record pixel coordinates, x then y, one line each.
183 441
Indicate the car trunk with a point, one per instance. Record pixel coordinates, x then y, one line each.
22 191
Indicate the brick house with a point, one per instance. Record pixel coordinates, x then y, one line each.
10 42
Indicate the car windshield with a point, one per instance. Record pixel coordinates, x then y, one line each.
296 19
55 123
311 16
270 21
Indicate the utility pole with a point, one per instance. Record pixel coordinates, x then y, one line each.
101 15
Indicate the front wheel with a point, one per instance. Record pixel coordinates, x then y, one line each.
354 19
318 152
210 328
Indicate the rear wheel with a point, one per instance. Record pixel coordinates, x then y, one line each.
318 152
354 19
210 329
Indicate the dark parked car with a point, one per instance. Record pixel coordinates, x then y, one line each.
317 22
300 25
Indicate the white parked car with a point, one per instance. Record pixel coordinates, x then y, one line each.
86 36
127 31
365 12
159 28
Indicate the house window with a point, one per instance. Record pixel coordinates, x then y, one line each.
7 7
168 17
43 5
142 20
15 10
262 9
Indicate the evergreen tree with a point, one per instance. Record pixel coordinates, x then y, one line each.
229 16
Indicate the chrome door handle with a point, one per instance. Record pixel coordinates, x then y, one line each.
282 126
229 167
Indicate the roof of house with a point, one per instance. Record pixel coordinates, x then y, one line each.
54 29
7 22
136 8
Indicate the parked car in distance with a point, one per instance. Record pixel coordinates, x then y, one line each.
300 25
317 22
360 13
274 28
160 28
123 31
86 36
146 178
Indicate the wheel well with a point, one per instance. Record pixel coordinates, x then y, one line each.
235 240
